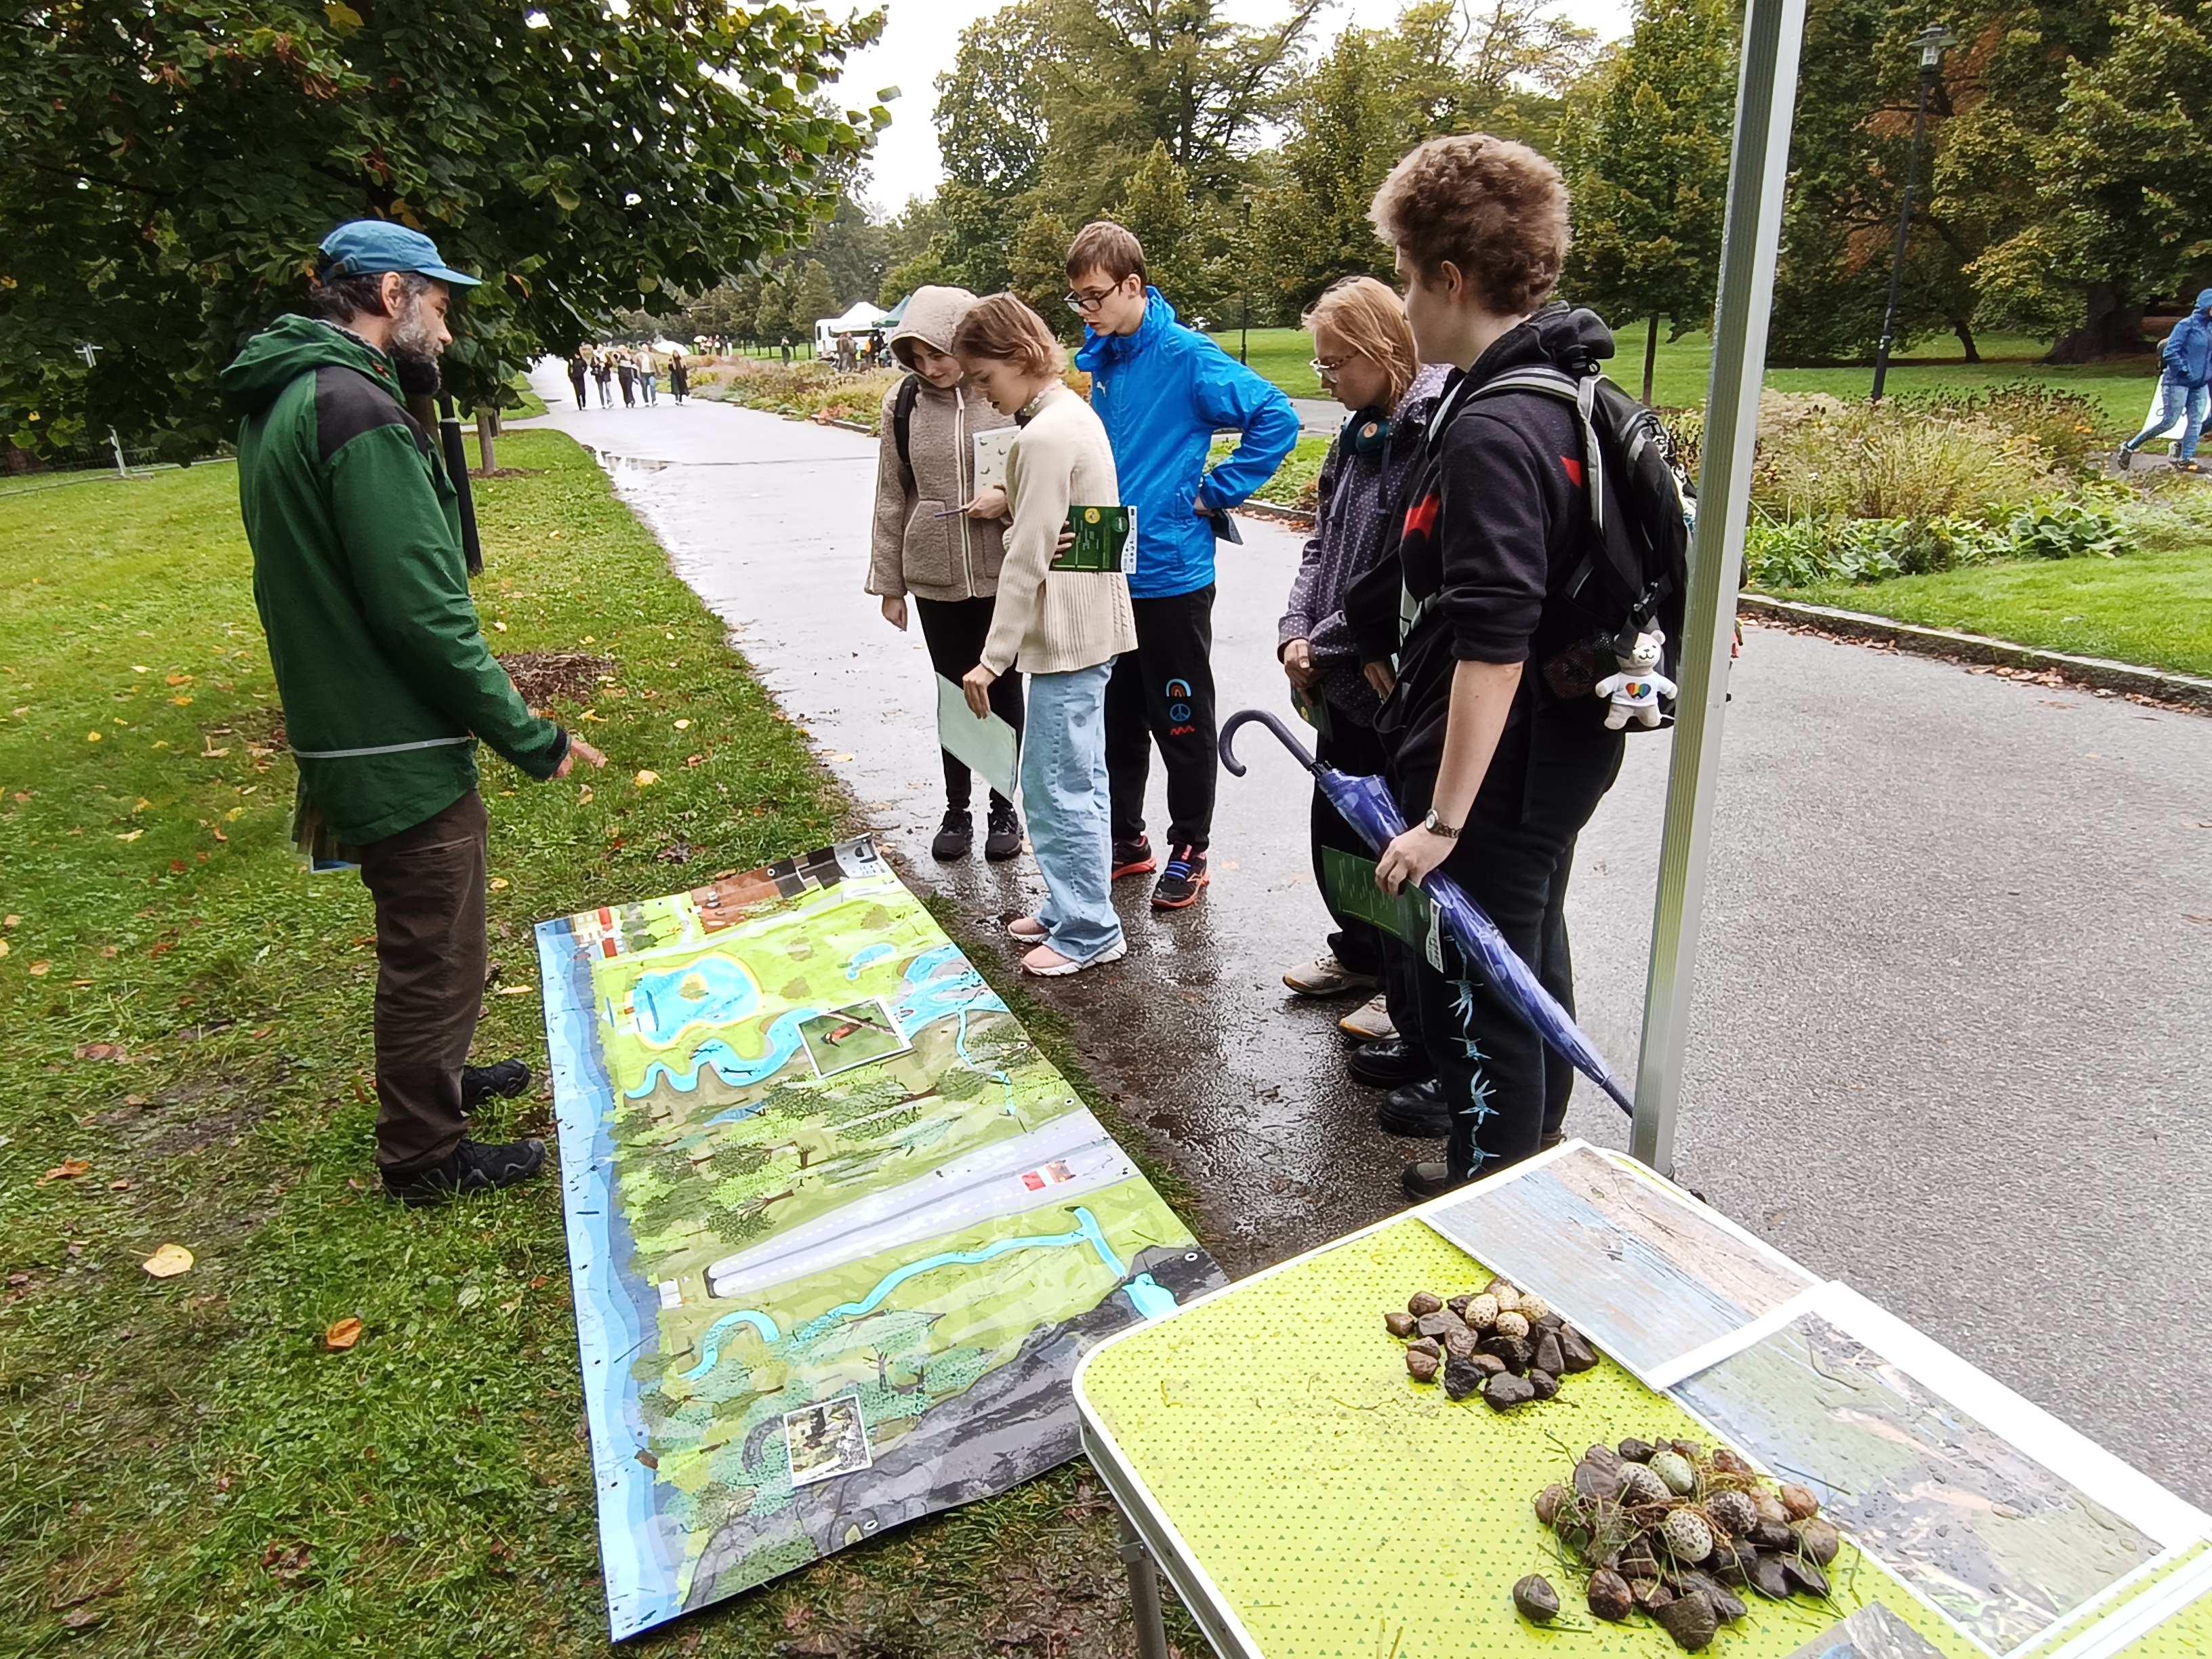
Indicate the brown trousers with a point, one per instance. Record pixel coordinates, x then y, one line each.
428 885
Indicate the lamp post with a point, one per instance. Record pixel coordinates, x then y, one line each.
1244 327
1933 39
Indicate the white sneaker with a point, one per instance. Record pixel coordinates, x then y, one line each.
1370 1022
1325 976
1046 962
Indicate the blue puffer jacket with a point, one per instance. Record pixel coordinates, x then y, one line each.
2187 352
1162 393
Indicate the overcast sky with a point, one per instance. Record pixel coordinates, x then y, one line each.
924 35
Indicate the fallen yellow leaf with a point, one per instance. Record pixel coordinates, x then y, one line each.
683 725
131 835
182 701
498 882
68 1170
500 626
646 777
92 737
3 947
40 969
177 679
343 1333
516 990
168 1261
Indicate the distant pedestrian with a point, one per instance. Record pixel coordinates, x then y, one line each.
787 351
603 371
579 366
626 372
2184 388
649 379
387 684
679 377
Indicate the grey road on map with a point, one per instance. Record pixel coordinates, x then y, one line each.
1950 1033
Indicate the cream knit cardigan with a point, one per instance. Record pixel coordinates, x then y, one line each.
1049 622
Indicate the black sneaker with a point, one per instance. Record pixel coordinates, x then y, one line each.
1417 1109
1004 840
1133 858
954 836
1182 881
504 1077
1391 1065
1428 1179
471 1167
2124 460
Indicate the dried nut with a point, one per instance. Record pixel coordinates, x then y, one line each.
1639 1485
1770 1578
1690 1620
1513 1350
1423 1302
1575 1349
1459 1344
1423 1366
1689 1449
1635 1560
1676 1470
1800 1502
1481 1311
1728 1462
1732 1513
1688 1538
1490 1362
1772 1535
1806 1575
1532 1307
1536 1599
1609 1596
1548 1502
1400 1325
1436 1322
1511 1324
1649 1593
1820 1539
1507 1295
1604 1457
1636 1451
1727 1606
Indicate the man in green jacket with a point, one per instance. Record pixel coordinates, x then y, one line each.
386 682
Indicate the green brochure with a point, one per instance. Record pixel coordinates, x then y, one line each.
1408 914
1313 709
1105 540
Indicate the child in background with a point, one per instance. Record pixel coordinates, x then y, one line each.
1063 628
935 543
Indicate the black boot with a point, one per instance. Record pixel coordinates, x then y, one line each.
1417 1109
1390 1064
471 1167
954 836
504 1077
1005 840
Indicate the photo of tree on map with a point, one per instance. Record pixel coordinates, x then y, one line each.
839 1232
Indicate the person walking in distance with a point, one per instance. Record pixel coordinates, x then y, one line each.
940 541
2184 388
580 367
603 370
626 372
679 377
387 683
1163 390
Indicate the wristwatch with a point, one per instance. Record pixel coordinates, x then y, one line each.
1437 826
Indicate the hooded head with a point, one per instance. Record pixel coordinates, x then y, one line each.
931 316
2204 300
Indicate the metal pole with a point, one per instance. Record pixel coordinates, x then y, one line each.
1144 1593
1932 40
1773 30
122 466
1244 328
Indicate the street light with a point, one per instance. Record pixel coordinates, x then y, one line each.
1933 39
1244 328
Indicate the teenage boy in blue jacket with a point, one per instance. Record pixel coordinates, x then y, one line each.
2185 387
1164 390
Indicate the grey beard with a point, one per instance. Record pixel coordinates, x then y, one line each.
413 352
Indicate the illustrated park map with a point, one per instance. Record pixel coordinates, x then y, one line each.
839 1232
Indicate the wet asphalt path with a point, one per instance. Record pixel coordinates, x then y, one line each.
1953 1004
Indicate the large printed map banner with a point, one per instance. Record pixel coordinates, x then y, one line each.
839 1232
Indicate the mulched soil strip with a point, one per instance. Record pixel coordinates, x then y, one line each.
542 676
2152 688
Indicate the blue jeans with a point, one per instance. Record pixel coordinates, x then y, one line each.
1064 787
2176 398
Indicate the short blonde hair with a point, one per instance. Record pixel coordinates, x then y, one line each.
1003 328
1103 246
1494 208
1370 319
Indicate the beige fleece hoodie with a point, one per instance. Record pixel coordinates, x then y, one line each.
918 547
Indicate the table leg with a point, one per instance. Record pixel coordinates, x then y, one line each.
1144 1593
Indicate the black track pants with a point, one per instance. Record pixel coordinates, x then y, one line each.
1359 945
1163 692
955 631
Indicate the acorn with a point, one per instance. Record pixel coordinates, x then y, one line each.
1532 1307
1687 1537
1689 1449
1676 1470
1799 1501
1423 1302
1820 1539
1400 1325
1732 1512
1481 1311
1609 1596
1548 1502
1511 1324
1639 1484
1536 1599
1505 1292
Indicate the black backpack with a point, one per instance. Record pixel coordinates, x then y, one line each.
902 420
1635 572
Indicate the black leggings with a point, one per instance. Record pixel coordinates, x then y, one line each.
1358 944
955 630
1506 1089
1163 692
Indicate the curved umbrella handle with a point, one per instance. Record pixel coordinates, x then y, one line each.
1236 768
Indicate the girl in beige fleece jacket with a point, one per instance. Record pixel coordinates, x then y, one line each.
939 541
1062 628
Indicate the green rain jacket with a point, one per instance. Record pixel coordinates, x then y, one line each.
386 681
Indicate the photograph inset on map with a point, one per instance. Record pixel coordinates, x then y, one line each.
826 1440
855 1034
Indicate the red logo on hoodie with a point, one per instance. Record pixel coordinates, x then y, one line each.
1574 470
1421 520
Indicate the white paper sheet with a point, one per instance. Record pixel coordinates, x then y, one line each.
989 746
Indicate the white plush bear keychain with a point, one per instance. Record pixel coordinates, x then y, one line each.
1639 685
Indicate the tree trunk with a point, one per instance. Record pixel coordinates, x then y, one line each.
485 429
1965 339
1650 354
2111 326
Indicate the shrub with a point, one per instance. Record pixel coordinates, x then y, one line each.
1821 456
1811 549
2062 424
2066 529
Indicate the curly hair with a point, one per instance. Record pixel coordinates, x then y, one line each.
1493 208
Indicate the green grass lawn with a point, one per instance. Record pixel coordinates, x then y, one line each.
185 1469
1679 374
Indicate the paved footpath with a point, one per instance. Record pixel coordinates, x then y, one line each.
1953 1004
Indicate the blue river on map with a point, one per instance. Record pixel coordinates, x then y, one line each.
712 990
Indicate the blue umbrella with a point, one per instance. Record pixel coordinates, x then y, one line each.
1367 806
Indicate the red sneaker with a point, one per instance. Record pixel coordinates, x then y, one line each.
1134 858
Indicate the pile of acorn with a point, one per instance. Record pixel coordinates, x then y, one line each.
1667 1531
1501 1342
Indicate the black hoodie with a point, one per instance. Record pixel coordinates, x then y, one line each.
1494 519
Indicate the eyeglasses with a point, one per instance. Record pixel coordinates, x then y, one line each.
1080 303
1327 368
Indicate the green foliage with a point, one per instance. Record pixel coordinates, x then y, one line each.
2066 529
172 169
1805 551
1821 456
811 297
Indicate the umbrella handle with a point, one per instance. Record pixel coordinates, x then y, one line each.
1236 768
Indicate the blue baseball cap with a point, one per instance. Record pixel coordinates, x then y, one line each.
362 247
